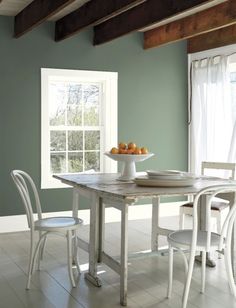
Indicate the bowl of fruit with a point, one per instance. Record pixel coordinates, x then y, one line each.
129 155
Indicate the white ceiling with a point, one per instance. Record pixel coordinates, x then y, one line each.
13 7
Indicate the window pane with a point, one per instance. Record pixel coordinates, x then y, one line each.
58 140
91 94
233 76
74 115
91 105
74 105
92 140
75 162
57 98
91 116
75 141
92 161
74 93
58 162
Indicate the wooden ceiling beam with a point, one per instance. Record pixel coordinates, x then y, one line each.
90 14
141 16
35 13
214 39
216 17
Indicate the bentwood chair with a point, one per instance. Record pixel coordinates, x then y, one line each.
66 226
204 241
218 206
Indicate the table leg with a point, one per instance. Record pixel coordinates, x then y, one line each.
94 241
75 205
75 208
203 222
124 255
155 223
101 230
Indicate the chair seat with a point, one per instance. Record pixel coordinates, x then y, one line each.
184 238
57 223
216 205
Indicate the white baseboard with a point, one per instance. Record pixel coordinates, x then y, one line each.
19 222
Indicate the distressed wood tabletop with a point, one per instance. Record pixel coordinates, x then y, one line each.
107 185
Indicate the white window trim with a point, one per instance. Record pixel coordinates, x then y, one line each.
109 117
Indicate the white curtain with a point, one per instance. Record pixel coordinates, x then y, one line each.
212 134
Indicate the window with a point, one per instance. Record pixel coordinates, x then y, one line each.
233 85
212 107
79 122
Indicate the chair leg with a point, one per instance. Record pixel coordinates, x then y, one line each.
32 249
218 225
170 282
70 257
228 266
43 248
75 251
203 271
41 251
185 261
37 251
181 218
188 280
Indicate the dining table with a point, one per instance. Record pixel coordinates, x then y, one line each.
104 189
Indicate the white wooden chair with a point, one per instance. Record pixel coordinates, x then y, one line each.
218 206
63 225
203 241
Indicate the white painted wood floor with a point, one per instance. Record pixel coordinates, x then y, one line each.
147 280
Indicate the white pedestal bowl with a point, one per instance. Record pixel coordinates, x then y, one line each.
129 169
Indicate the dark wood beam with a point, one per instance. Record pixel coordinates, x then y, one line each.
214 39
216 17
90 14
35 13
141 16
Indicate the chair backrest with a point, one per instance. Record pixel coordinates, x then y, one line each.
26 188
227 227
229 168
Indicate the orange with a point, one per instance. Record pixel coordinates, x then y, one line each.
137 151
130 151
114 151
132 145
122 145
144 150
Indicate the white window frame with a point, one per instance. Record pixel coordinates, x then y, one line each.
109 81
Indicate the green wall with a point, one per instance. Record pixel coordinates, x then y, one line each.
152 100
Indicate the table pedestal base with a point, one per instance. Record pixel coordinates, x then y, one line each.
94 280
209 262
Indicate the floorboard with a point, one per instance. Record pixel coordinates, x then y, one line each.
147 279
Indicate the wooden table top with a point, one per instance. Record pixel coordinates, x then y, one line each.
107 185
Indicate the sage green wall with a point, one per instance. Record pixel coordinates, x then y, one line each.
152 108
